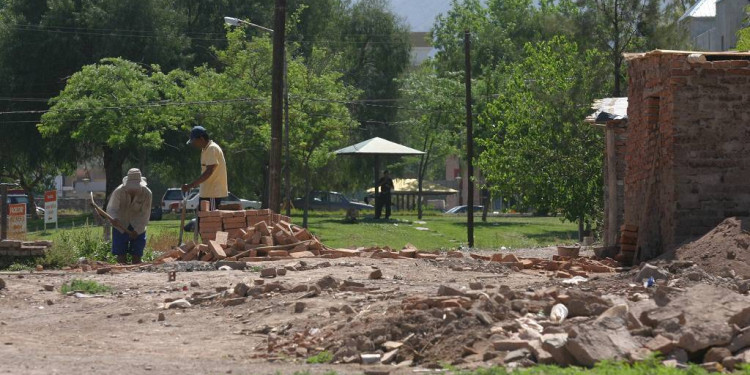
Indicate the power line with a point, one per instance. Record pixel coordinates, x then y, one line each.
144 105
156 35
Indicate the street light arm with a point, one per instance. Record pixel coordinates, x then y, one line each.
232 21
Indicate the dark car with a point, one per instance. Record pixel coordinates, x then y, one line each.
462 209
330 201
156 213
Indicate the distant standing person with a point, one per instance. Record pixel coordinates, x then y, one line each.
213 179
384 198
130 207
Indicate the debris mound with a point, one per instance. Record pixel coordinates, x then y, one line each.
723 251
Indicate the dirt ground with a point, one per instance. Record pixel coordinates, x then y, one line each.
46 332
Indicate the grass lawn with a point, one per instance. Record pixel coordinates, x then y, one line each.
442 231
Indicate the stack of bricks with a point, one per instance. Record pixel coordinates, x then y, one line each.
628 242
24 248
235 223
247 235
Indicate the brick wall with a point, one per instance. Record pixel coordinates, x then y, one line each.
712 144
686 153
614 180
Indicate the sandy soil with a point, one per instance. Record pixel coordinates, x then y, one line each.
46 332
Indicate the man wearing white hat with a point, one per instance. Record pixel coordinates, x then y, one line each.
130 207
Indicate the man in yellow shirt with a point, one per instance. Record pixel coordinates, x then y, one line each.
213 179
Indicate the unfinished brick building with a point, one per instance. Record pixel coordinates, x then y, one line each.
688 145
611 115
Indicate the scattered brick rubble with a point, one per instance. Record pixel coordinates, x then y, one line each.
261 235
486 325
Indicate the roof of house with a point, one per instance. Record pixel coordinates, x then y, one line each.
724 55
701 9
411 186
607 109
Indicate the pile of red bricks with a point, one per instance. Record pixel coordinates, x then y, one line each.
235 223
249 236
564 267
628 242
24 248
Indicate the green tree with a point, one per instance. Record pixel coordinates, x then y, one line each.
619 26
112 109
499 30
318 113
540 149
436 124
743 36
28 160
375 46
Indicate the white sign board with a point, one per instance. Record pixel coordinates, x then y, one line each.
50 206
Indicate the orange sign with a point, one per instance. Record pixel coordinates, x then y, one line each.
17 219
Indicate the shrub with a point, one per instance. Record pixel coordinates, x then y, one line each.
322 357
85 286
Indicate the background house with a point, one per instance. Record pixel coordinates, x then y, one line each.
713 24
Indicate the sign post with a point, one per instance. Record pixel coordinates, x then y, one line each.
50 208
17 220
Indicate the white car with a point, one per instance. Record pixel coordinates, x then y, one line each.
172 200
194 199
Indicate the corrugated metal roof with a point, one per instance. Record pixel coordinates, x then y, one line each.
638 55
608 109
377 146
701 9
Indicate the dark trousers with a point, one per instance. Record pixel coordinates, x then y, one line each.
383 199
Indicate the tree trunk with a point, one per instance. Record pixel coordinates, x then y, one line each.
33 213
618 78
113 161
307 195
419 197
485 205
580 230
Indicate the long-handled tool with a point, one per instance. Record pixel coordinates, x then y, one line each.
182 219
105 215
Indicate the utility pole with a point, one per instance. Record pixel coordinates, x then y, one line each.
277 104
287 155
4 214
469 143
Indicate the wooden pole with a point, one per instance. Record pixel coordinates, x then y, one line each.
277 104
469 144
4 214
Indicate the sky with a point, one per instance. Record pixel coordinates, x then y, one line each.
420 14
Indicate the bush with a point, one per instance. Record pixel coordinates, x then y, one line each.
85 286
322 357
75 244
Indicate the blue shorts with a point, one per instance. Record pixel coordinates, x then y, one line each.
122 244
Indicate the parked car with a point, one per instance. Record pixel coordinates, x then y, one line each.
172 198
194 201
23 198
330 201
156 213
462 209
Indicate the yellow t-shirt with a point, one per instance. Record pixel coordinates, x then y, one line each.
216 185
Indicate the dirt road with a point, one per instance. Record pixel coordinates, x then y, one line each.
46 332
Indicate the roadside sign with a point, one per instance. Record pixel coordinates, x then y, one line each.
50 206
17 219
